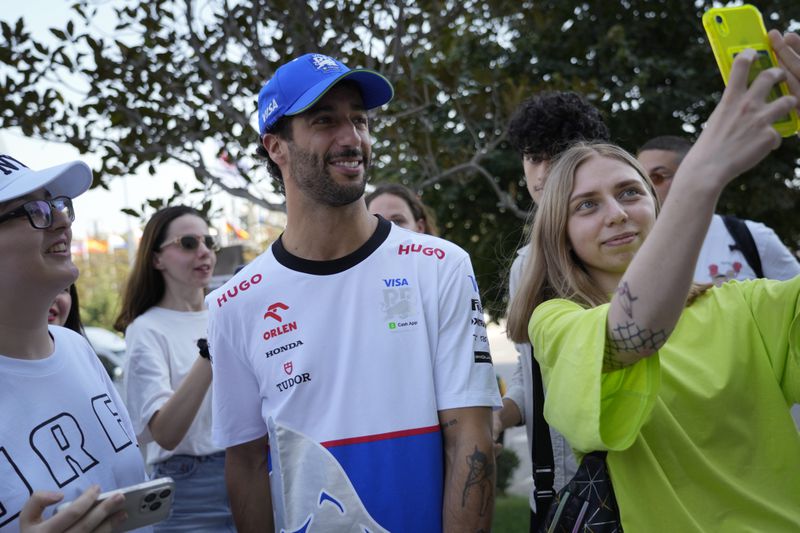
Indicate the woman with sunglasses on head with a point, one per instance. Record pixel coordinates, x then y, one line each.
166 377
686 387
65 435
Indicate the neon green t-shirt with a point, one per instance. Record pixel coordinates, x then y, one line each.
700 436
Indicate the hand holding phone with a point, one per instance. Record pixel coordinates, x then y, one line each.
144 504
739 132
787 49
83 515
733 29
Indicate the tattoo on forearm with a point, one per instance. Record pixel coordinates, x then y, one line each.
626 299
449 423
629 337
480 478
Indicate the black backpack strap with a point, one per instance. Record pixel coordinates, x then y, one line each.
744 242
542 462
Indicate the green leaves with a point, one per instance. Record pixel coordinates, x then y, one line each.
160 82
59 34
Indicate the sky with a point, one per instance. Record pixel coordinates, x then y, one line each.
98 209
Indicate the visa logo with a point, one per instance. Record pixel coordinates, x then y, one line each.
395 282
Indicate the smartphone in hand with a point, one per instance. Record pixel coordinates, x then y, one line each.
733 29
145 503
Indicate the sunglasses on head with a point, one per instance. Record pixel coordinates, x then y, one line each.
40 212
191 243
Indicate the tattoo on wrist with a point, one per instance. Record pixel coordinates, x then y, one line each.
626 299
629 337
480 477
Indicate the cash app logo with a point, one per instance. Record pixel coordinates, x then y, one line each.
392 325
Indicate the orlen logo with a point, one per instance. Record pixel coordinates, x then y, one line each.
405 249
236 289
272 313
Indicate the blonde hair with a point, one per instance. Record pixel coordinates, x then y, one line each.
552 269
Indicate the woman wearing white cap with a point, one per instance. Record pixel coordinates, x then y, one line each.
65 433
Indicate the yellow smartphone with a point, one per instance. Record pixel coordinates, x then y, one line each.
733 29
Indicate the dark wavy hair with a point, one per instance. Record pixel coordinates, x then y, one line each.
283 129
669 143
145 286
545 125
419 210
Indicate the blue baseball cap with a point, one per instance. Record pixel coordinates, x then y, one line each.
300 83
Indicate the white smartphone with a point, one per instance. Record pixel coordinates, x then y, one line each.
146 503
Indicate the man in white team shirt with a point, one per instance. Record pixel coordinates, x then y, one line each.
352 353
722 257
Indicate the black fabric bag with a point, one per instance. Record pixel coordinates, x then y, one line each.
587 503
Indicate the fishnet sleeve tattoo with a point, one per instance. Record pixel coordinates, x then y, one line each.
629 337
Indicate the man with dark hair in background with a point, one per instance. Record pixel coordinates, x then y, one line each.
733 248
540 129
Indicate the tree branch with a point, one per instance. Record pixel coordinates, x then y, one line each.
222 98
203 175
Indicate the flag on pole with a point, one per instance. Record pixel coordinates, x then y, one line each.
239 232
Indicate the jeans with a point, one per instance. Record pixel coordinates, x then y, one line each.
201 500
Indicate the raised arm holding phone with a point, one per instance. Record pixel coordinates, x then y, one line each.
686 388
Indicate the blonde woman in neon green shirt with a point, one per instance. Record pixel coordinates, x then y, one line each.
687 387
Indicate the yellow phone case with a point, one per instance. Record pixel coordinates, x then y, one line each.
732 29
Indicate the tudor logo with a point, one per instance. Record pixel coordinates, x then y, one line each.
272 311
287 384
288 367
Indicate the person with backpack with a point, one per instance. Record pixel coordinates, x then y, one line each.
733 248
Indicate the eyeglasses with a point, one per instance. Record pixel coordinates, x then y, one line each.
40 212
190 243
